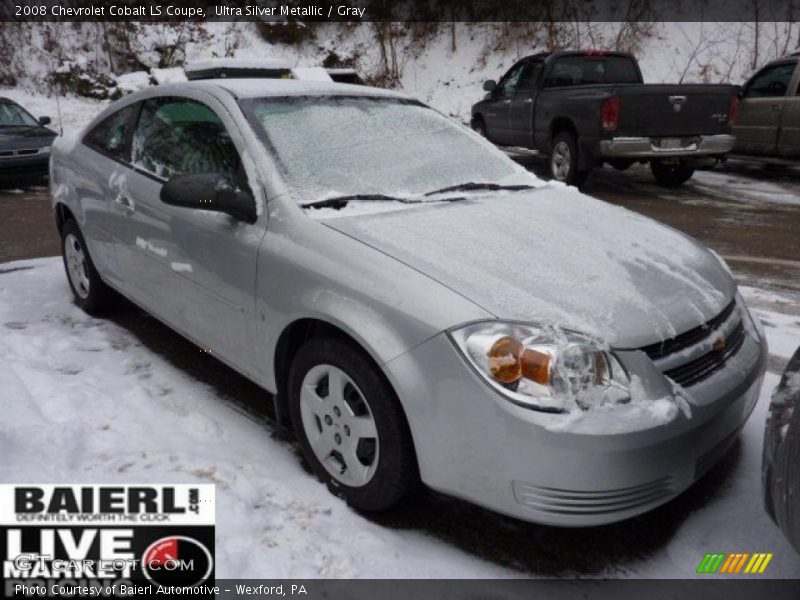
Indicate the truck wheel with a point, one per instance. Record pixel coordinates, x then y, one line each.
91 293
564 160
350 425
671 174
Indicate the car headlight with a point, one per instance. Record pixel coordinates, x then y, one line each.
546 369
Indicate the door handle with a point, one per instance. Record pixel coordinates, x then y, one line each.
776 107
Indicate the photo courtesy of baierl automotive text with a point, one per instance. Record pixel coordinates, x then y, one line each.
353 299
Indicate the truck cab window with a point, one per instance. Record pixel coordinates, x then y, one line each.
508 85
771 82
530 76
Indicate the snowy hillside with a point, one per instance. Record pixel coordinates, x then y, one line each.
445 69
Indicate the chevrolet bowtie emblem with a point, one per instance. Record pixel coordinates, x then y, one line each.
720 343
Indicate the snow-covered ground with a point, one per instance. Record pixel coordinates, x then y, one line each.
83 400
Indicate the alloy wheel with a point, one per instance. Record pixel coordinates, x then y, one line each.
76 265
339 425
560 161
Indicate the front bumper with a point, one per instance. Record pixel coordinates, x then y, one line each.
474 444
645 147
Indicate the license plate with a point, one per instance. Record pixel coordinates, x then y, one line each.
670 143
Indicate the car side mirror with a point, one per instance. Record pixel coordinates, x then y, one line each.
489 85
209 191
739 91
45 120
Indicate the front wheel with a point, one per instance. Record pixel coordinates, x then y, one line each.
90 292
564 160
671 174
350 426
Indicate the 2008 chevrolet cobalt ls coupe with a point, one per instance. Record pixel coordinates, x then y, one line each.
423 308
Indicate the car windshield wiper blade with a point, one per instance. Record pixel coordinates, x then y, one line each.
471 186
341 201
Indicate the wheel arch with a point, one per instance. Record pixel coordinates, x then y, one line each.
560 124
291 339
62 214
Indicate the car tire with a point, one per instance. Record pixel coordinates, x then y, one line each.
671 174
335 427
564 160
90 292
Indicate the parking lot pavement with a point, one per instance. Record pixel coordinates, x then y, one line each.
27 228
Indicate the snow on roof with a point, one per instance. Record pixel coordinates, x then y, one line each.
256 87
237 63
311 74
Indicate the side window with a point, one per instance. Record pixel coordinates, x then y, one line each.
771 82
530 76
110 135
508 85
566 71
178 136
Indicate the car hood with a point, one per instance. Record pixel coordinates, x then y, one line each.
554 256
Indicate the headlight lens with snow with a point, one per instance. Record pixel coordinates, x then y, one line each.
543 368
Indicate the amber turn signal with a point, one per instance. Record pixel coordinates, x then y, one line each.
510 361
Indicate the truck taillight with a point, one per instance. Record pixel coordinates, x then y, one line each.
610 113
732 108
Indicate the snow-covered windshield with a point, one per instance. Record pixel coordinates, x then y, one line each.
13 115
331 146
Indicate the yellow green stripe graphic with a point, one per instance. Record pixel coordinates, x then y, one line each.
735 563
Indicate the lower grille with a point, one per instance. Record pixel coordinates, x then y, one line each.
695 371
570 502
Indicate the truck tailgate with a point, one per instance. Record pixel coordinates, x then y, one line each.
663 110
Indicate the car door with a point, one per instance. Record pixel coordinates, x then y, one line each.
789 134
497 114
103 164
196 269
759 115
522 104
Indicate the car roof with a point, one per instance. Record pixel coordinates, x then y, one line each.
255 87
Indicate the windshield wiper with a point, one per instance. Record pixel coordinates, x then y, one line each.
472 186
341 201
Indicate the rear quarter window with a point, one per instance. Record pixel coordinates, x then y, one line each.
110 136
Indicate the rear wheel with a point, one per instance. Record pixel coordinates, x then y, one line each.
350 426
671 174
564 160
90 292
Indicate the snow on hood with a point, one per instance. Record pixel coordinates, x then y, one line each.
557 257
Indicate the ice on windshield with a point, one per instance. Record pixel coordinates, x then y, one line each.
13 115
335 146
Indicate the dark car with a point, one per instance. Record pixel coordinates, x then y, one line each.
24 143
586 108
781 468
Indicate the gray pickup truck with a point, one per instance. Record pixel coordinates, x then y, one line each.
586 108
768 124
